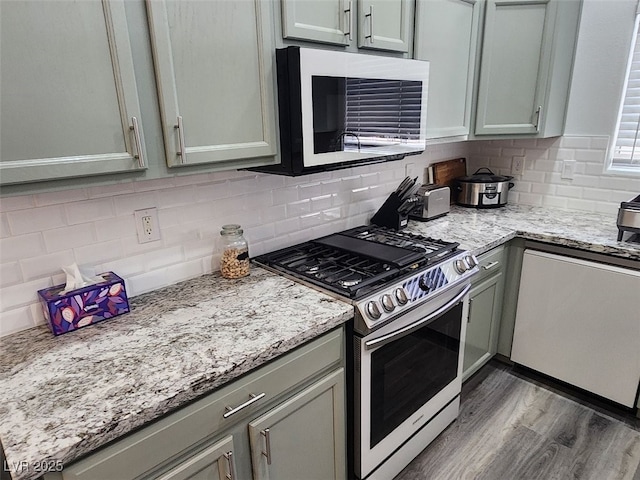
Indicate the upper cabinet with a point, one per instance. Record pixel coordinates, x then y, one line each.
498 67
526 63
447 36
68 103
376 24
214 65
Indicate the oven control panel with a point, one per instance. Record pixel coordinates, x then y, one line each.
393 300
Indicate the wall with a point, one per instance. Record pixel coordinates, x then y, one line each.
40 233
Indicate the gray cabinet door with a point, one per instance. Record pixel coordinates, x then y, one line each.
484 316
327 21
214 63
68 102
385 24
214 462
446 35
515 64
303 437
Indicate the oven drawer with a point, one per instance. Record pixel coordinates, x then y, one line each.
490 263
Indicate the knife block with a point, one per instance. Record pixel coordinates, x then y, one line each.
388 216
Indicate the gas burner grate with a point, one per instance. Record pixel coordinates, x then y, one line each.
356 262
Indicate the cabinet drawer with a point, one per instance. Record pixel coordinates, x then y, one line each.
490 263
163 440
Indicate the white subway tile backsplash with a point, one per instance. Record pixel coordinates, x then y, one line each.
569 191
592 156
42 266
110 190
16 320
275 212
10 273
36 219
580 204
577 142
22 294
285 195
5 231
8 204
89 211
21 246
98 253
69 237
127 204
177 196
600 143
65 196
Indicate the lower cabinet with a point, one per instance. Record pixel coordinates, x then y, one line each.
215 462
297 439
284 420
485 308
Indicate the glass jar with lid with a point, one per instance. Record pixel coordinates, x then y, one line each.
234 262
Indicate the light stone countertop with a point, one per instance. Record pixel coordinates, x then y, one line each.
480 230
62 397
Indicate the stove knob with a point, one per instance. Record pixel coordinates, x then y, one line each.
425 283
401 296
373 310
460 266
471 261
387 303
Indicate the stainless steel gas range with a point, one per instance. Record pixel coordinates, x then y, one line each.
410 295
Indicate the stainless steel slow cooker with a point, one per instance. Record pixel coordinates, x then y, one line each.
483 189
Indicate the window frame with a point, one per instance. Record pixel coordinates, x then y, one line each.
631 168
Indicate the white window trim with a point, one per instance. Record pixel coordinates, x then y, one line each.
627 170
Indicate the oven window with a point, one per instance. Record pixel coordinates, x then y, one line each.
407 373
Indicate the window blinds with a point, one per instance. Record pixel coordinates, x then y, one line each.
626 150
383 111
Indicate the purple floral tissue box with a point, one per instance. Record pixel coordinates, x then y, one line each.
84 306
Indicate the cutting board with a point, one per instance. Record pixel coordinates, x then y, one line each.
445 172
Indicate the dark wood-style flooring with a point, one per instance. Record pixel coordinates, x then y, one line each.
512 426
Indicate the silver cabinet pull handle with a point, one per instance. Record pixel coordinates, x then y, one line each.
136 136
538 117
370 15
490 265
347 30
267 444
254 398
232 473
183 149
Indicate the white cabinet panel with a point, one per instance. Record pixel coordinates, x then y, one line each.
579 321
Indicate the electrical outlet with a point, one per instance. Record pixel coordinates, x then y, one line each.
517 165
147 225
568 169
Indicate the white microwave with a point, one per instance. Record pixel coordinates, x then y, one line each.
339 109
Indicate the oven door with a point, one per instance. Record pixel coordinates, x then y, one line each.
405 373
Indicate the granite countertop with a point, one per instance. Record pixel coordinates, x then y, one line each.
480 230
62 397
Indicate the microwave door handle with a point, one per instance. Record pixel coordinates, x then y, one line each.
404 331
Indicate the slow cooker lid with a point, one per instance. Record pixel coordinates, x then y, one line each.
484 177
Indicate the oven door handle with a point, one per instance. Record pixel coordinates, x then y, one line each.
401 332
